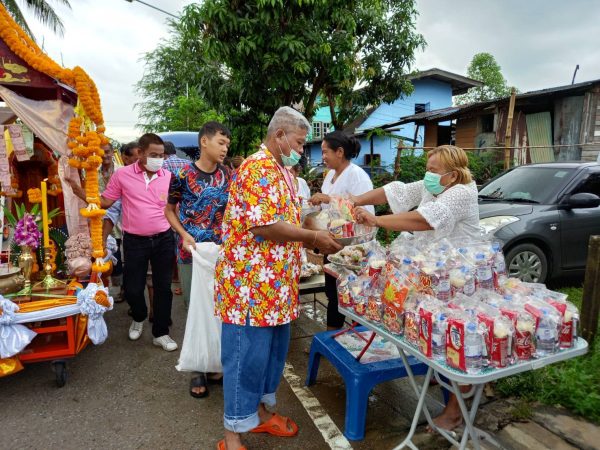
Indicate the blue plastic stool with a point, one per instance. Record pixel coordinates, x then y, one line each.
359 378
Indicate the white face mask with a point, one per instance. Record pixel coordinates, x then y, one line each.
154 164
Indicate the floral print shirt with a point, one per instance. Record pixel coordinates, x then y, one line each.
257 279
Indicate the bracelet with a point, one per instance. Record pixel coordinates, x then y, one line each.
315 239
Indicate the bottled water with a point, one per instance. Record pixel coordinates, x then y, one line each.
473 349
469 287
546 335
499 263
443 282
438 336
485 277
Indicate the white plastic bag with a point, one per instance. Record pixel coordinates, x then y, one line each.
201 349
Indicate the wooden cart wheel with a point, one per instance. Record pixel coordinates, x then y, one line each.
60 371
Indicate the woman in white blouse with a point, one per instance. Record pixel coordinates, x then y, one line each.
343 179
446 207
445 200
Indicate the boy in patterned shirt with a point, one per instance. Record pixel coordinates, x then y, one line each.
200 190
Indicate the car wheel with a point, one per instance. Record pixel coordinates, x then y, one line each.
528 263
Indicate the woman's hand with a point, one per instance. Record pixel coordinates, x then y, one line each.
364 217
325 243
319 198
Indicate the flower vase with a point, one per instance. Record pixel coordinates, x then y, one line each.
26 263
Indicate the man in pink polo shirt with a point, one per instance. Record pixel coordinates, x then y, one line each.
143 188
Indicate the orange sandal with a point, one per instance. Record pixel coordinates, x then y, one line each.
221 446
277 426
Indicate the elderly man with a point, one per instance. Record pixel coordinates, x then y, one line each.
256 285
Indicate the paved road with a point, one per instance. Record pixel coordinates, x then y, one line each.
128 395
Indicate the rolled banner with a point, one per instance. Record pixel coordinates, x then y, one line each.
13 337
94 301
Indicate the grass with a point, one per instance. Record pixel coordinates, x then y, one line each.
574 384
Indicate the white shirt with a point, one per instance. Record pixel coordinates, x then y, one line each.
303 189
454 214
353 180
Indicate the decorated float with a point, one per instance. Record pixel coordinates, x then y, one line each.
51 130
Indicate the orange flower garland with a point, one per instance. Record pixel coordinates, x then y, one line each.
86 129
35 195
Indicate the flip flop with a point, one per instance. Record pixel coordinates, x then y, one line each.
221 446
210 380
196 382
277 425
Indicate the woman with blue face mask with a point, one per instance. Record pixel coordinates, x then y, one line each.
445 200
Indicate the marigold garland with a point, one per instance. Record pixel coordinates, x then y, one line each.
86 129
35 195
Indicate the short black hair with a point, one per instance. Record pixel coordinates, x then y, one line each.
149 138
209 129
127 149
169 148
350 144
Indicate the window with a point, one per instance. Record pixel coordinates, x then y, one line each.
422 107
320 129
591 185
487 123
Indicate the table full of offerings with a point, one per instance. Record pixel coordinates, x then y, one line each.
452 306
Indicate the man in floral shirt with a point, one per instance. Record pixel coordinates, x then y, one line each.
256 286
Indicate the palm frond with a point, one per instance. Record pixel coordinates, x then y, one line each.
46 14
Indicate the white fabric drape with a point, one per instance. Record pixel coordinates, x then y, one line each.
49 120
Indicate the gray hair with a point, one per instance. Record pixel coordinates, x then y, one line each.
287 119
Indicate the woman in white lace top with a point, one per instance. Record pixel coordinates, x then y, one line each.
445 200
446 207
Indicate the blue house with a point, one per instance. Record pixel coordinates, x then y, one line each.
433 89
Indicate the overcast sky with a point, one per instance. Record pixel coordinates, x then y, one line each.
536 42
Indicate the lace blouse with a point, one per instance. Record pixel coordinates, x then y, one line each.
453 214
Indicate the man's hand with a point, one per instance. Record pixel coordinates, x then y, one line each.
364 217
319 198
187 242
324 241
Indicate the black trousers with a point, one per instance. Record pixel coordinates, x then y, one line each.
158 250
334 318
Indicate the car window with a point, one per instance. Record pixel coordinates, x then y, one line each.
528 183
591 185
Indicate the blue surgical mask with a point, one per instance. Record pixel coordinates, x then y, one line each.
432 182
293 159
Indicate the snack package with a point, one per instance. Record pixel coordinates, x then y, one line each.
411 317
498 336
395 292
524 326
455 342
359 292
548 324
344 290
432 332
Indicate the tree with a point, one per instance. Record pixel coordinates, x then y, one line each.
251 57
42 11
484 68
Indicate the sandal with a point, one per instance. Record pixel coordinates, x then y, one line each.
198 382
177 291
221 446
210 380
277 425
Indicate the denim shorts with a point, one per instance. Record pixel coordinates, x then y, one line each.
253 360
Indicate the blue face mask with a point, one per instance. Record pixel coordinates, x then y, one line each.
432 182
293 159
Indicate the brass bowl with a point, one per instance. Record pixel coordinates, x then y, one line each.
11 280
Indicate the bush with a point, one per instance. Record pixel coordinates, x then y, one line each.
484 166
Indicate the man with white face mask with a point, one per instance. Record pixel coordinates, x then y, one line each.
143 188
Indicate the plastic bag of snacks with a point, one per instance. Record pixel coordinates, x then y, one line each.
465 343
344 290
359 294
568 312
548 324
411 317
374 311
395 292
432 329
524 326
498 336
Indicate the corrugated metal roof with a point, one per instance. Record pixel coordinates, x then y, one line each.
440 115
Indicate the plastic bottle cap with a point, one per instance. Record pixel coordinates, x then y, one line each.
440 264
407 261
471 327
479 256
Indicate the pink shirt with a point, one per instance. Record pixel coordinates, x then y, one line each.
143 203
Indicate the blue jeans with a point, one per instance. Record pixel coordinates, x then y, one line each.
253 360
